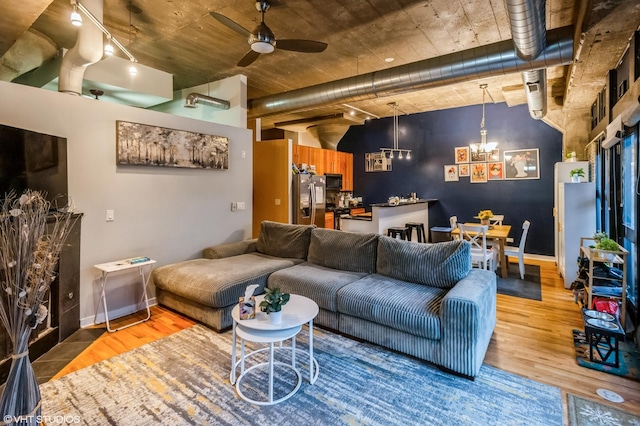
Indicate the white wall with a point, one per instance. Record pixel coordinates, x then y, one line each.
167 214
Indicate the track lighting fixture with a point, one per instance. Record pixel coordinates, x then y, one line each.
108 48
395 148
76 19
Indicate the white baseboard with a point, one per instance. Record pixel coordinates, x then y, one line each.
121 312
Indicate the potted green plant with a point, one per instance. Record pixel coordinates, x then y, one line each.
609 245
272 304
576 174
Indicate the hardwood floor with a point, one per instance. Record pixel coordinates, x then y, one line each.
532 339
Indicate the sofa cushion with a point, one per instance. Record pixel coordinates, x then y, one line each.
314 281
347 251
218 282
439 265
284 240
401 305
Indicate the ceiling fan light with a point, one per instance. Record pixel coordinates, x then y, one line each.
76 19
262 47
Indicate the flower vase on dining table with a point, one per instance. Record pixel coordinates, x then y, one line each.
485 222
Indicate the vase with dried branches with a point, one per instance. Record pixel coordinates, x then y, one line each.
31 238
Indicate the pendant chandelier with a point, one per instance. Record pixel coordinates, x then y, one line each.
483 146
395 149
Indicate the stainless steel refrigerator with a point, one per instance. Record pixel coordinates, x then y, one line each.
308 197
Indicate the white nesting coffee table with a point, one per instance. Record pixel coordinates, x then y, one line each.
298 311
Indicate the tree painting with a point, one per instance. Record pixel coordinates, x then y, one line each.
141 144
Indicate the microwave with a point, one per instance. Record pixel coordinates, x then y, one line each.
334 181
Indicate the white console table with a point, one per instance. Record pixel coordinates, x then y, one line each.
121 266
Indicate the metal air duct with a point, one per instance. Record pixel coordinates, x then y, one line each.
193 98
86 51
473 64
528 32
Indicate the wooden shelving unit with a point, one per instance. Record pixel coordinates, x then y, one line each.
613 258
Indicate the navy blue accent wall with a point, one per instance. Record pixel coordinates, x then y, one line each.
432 137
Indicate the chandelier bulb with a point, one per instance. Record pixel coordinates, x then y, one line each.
391 154
76 19
408 155
400 155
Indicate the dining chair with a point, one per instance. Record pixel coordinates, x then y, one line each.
453 222
497 219
481 254
518 251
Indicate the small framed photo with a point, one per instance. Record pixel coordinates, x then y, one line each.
522 164
451 173
478 173
495 170
494 155
463 170
462 154
478 157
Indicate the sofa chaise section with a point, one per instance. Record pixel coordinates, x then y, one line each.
207 289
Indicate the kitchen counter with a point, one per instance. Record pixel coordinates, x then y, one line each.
418 201
384 216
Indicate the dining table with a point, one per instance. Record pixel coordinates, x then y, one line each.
499 233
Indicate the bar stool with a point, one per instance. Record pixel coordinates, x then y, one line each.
396 231
419 227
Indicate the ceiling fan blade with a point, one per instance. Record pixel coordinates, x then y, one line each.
248 58
305 46
231 24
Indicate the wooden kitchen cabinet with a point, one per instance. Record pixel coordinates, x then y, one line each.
331 161
326 161
356 211
328 220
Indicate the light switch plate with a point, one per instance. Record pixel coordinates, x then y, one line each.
111 216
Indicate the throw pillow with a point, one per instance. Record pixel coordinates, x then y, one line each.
439 265
347 251
284 240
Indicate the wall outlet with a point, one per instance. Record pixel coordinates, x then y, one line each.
111 215
241 205
234 206
277 201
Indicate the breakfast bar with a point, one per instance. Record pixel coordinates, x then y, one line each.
386 215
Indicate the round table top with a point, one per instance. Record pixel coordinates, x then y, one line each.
299 310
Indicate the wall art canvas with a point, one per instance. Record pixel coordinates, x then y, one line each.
463 170
451 173
495 170
479 173
462 154
142 144
376 162
522 164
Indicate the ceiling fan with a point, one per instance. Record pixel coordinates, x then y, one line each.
262 39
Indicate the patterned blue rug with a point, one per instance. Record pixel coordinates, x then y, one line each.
183 379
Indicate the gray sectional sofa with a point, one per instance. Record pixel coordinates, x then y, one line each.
419 299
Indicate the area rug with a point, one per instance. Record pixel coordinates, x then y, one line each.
628 356
585 412
183 379
529 288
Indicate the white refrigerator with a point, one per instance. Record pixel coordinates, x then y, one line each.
561 175
576 218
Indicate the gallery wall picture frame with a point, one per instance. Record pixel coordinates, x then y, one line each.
451 173
495 170
377 162
463 170
147 145
493 155
478 172
522 164
461 154
478 157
